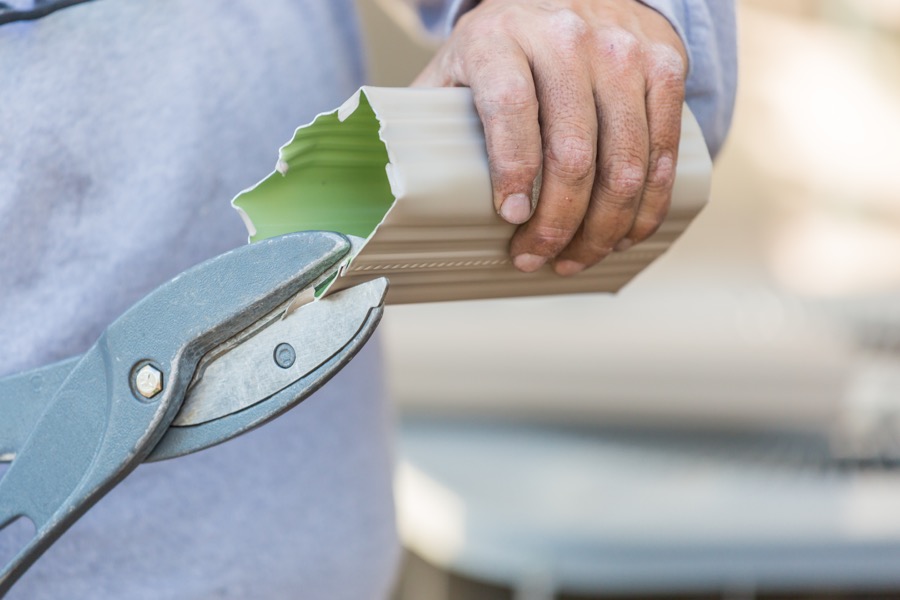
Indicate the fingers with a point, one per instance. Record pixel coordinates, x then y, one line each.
568 121
665 97
498 71
623 158
505 98
586 97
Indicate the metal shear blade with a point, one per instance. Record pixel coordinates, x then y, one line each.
256 381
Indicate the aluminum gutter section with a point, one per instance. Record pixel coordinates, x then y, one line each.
407 169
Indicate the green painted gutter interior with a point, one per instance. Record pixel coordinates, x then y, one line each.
334 180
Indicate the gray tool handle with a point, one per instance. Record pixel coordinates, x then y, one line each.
98 426
23 399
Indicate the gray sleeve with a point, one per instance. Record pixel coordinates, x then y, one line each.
439 16
707 29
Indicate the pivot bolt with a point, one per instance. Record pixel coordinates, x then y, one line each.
148 381
285 355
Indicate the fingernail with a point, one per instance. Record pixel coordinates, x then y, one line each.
567 267
623 245
516 208
529 262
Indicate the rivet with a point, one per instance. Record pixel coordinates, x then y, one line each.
285 355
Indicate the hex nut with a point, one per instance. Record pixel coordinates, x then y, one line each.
148 381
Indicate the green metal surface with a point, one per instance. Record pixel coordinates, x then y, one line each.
334 180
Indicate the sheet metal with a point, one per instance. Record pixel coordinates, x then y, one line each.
440 238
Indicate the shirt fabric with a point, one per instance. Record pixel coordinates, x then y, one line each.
125 128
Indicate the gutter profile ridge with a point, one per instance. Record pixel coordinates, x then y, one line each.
406 170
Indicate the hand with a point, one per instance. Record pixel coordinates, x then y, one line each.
584 96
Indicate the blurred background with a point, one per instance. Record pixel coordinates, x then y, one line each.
728 426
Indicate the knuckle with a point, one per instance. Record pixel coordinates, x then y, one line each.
620 47
549 239
571 157
594 247
623 180
508 163
568 27
666 63
513 94
646 225
662 175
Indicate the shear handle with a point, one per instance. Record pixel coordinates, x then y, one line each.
97 427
